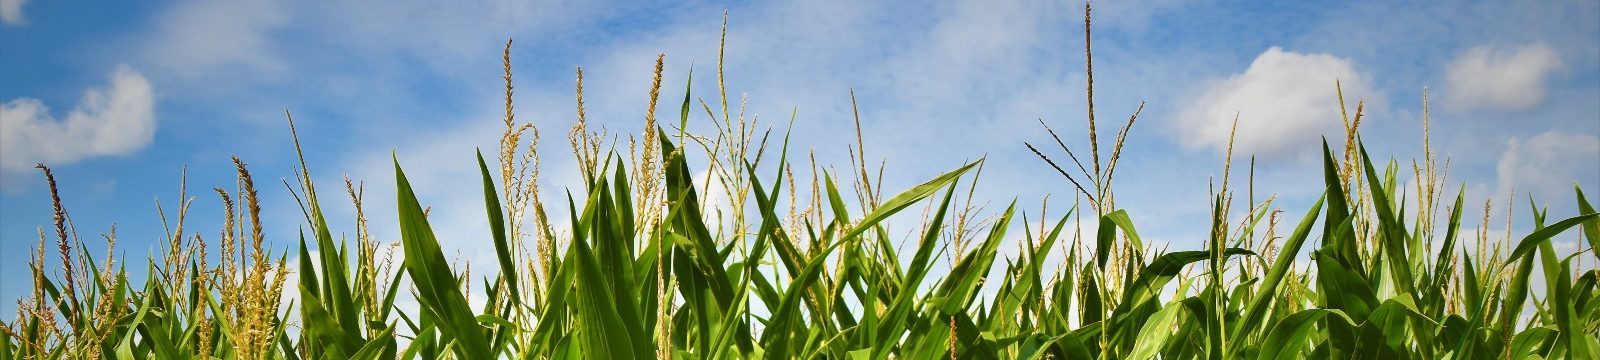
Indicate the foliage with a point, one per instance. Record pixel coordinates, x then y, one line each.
642 269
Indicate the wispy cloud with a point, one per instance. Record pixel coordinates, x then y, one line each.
11 12
1546 165
1501 78
116 119
199 40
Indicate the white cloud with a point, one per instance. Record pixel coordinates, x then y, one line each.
11 12
1284 101
1500 78
116 119
199 39
1546 165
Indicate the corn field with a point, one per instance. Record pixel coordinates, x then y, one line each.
810 269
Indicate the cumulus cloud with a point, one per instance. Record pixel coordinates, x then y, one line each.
1500 78
116 119
1546 165
11 12
1283 101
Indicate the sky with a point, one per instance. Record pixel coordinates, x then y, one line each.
123 99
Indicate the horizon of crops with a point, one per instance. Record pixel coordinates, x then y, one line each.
807 268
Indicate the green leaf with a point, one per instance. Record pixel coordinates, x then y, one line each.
437 288
497 228
1256 311
1531 242
1289 337
1157 331
1591 230
905 199
605 334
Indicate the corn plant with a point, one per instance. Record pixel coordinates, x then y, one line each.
640 267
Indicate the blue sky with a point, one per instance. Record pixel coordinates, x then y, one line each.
120 97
